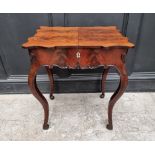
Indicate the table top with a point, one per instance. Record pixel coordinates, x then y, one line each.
99 36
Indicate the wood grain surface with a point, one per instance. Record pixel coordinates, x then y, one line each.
100 36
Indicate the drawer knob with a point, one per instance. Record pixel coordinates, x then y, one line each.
78 54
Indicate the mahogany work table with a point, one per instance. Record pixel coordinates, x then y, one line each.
78 47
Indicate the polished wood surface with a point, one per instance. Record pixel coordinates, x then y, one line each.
83 58
77 36
78 47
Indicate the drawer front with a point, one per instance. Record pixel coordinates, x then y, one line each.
95 57
79 57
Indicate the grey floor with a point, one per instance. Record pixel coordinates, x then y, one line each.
78 117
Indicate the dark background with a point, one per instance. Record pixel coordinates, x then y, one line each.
14 61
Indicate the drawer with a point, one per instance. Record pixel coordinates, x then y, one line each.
78 57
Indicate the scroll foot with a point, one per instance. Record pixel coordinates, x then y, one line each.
45 126
109 126
102 95
51 97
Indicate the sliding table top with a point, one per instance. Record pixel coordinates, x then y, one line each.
99 36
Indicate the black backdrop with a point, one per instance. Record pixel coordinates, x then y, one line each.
14 61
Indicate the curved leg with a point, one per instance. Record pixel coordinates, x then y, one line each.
118 93
104 76
50 75
35 91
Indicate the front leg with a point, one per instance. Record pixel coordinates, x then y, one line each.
35 91
118 93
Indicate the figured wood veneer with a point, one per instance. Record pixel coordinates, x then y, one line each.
77 36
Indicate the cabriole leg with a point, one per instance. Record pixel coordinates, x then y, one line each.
117 94
35 91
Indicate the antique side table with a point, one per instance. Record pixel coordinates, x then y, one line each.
77 47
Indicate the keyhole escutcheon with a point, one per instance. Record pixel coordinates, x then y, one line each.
78 54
